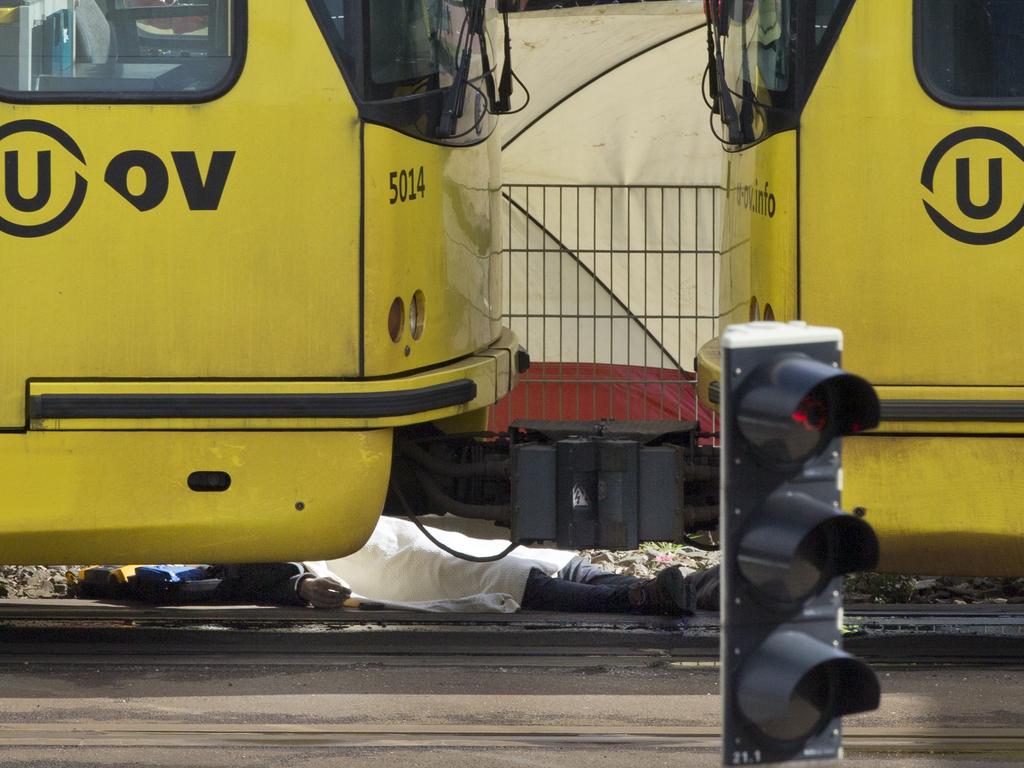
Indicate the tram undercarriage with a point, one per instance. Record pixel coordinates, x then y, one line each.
596 484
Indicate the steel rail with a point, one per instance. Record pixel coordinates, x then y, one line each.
93 610
938 740
76 632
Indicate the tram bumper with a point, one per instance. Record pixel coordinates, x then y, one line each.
938 480
219 471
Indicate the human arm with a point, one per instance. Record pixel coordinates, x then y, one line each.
323 591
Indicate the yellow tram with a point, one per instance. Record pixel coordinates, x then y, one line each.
243 242
874 181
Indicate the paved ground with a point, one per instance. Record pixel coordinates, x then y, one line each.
430 757
412 714
417 702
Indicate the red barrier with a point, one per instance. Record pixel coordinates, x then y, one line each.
590 391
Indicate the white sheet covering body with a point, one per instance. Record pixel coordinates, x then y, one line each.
401 568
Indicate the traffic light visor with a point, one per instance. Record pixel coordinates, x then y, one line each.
799 544
792 406
805 713
793 685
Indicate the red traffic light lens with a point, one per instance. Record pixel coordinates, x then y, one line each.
792 436
812 413
791 406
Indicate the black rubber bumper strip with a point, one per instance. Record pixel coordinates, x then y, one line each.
347 405
934 410
953 410
715 392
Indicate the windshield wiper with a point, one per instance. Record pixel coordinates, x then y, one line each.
455 98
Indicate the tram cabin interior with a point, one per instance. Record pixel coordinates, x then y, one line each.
113 45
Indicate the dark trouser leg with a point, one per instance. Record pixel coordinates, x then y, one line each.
262 583
705 583
582 572
546 593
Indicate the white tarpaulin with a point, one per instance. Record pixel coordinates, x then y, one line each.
615 96
610 174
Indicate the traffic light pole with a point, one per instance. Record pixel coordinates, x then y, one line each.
786 543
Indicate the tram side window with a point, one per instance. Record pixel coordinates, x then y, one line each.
344 16
971 51
157 48
825 14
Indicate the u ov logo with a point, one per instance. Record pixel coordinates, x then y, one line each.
993 202
44 180
201 193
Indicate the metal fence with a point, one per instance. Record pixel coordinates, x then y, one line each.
612 289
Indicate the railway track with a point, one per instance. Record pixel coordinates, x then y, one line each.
982 635
949 741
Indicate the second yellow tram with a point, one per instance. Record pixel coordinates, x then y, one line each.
874 181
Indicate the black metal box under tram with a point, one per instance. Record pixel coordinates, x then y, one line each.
607 485
596 493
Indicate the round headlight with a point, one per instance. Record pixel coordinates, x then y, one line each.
417 314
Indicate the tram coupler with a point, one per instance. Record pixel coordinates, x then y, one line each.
577 484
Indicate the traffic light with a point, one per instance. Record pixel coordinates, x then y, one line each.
786 682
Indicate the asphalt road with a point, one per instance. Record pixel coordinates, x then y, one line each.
216 704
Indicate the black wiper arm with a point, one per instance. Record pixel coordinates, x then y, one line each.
455 98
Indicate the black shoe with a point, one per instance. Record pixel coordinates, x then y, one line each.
705 585
667 594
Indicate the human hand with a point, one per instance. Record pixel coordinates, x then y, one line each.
324 591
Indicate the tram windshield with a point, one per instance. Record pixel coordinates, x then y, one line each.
422 66
771 51
406 41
